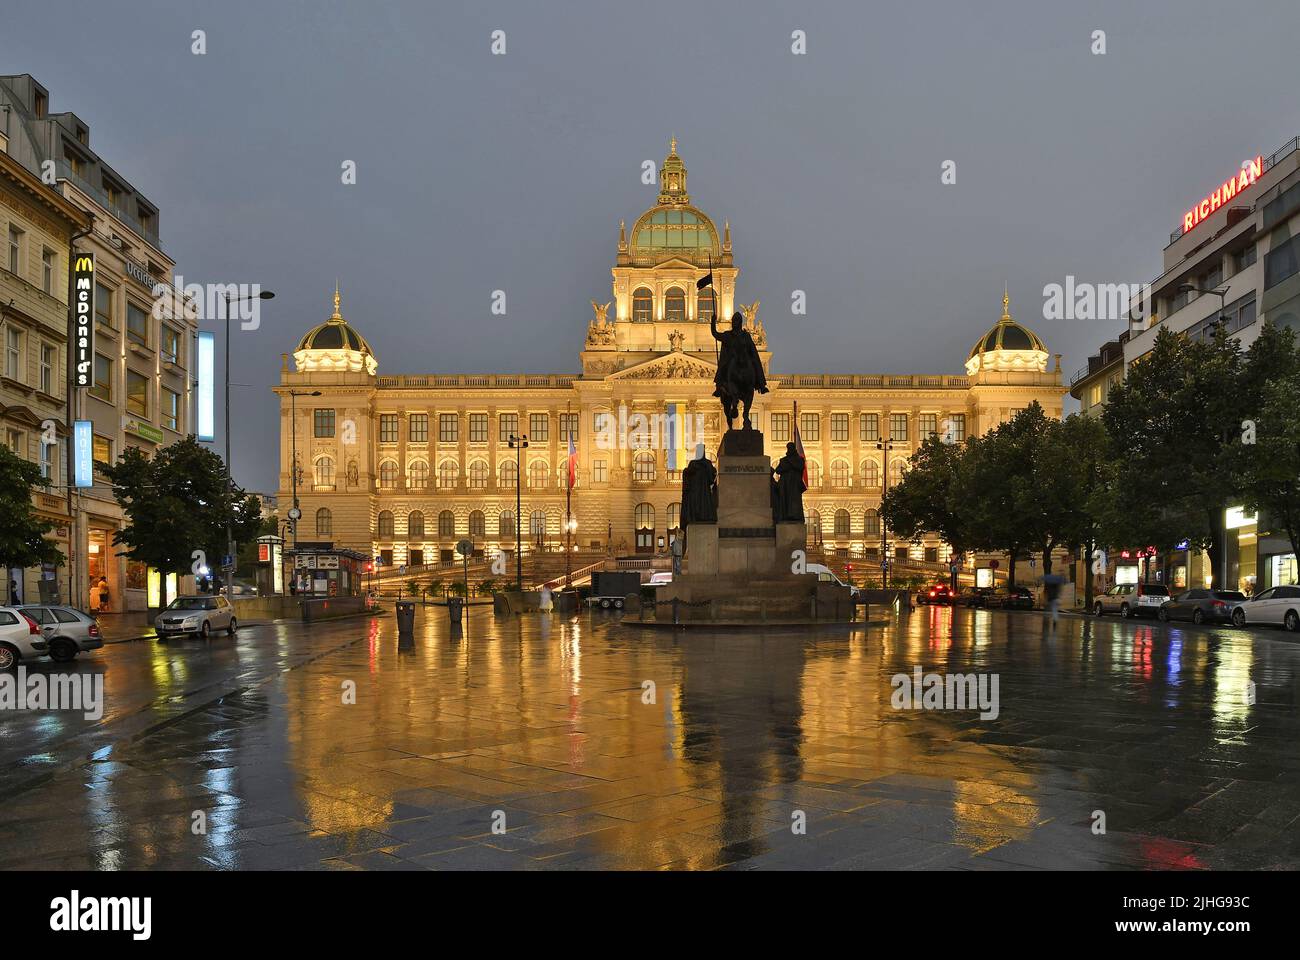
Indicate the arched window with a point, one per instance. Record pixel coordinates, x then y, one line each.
388 475
896 470
539 473
323 470
675 305
324 522
508 474
704 306
674 516
815 528
477 524
871 524
415 526
446 524
418 474
386 524
814 474
842 522
643 518
506 525
537 526
448 474
642 305
839 473
643 467
869 471
478 475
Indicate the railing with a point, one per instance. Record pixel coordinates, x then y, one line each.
410 381
859 380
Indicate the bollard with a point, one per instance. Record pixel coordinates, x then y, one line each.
454 609
405 619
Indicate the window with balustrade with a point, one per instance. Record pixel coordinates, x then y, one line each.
448 474
478 475
418 475
539 473
388 475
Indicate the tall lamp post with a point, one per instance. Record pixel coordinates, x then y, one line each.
227 573
517 444
885 445
1222 293
295 514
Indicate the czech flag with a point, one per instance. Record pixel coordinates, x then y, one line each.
573 461
798 446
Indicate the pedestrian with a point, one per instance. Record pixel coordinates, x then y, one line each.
677 548
104 596
546 605
1052 593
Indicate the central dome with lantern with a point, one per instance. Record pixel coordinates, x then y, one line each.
673 228
334 346
1008 346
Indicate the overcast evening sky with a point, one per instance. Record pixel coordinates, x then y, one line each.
478 172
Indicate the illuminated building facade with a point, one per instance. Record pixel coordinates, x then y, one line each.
405 466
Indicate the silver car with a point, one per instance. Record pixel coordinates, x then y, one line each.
67 631
198 615
20 638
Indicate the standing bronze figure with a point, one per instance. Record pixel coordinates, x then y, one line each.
699 491
740 371
788 487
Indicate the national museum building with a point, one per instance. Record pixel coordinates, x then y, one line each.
405 466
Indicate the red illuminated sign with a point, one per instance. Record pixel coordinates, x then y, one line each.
263 553
1250 171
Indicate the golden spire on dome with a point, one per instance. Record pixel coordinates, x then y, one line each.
672 178
1006 302
336 316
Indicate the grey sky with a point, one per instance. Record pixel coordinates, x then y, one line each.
478 172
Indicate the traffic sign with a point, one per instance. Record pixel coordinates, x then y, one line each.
993 564
465 548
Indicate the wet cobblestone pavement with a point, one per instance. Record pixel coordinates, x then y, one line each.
527 744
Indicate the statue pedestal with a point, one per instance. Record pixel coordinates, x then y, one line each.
739 569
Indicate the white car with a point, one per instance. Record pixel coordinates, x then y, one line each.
1131 600
199 615
20 638
1276 605
661 578
825 575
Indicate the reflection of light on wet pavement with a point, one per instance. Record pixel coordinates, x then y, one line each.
544 719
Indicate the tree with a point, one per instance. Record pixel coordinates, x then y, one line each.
23 541
178 507
1271 464
1179 398
1079 451
923 499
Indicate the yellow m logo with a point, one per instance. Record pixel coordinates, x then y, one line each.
84 263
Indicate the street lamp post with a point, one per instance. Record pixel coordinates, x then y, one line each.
570 525
227 573
1222 294
885 445
517 444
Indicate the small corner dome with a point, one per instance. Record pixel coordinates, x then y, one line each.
334 346
1008 345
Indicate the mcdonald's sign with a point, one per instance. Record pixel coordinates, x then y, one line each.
83 319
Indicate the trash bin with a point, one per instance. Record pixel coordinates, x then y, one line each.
405 617
454 605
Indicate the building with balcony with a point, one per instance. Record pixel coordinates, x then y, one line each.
404 466
1233 260
141 390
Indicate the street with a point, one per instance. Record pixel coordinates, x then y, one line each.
540 743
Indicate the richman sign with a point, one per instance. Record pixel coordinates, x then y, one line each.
1246 177
83 291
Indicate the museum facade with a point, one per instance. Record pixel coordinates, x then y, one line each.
405 466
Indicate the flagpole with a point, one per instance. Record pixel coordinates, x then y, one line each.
570 475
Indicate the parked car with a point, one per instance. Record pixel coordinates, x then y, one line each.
975 596
20 638
1131 599
1276 605
1201 605
1011 598
939 594
68 632
825 575
661 578
198 615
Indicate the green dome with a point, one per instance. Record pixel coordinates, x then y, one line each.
1007 334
